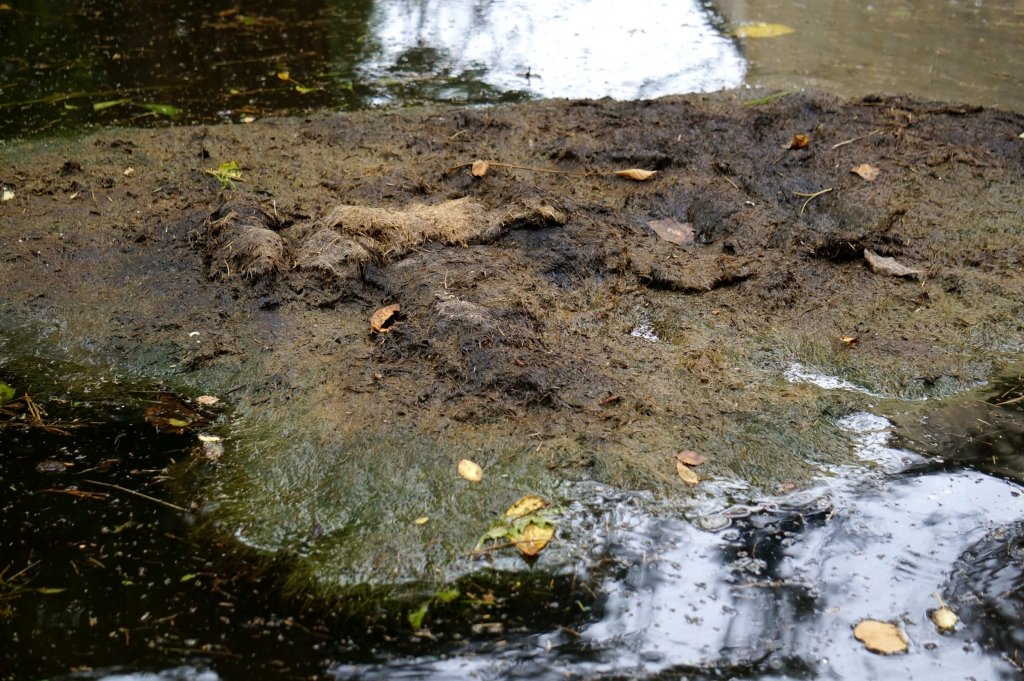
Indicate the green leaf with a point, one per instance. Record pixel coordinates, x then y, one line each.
127 582
162 109
71 107
6 393
770 98
346 85
762 31
179 423
100 106
416 616
304 90
121 528
46 590
188 578
447 596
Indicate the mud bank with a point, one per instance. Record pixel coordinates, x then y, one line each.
546 332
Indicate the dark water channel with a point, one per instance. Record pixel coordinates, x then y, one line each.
100 583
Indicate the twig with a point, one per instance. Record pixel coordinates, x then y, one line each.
495 164
75 493
855 139
810 197
1015 399
138 494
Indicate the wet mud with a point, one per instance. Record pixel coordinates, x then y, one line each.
546 331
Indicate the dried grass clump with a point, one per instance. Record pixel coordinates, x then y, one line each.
329 252
246 248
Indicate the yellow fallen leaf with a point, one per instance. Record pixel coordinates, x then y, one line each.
636 174
798 142
686 473
480 168
849 340
865 171
283 75
207 400
534 538
470 471
379 318
422 520
209 438
763 31
527 504
881 637
944 618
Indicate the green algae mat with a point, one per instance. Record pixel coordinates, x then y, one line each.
548 327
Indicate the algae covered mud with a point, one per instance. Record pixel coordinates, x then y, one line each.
550 333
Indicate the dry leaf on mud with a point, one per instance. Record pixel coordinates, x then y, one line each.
636 174
674 232
763 31
850 340
889 266
798 142
690 458
422 520
207 400
528 504
480 168
944 618
533 538
470 471
881 637
867 172
381 317
687 474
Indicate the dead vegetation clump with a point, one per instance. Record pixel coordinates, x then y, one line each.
239 240
328 252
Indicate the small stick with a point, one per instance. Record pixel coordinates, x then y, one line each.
75 493
138 494
495 164
810 197
1015 399
855 139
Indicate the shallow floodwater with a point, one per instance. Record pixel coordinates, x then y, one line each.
67 64
105 584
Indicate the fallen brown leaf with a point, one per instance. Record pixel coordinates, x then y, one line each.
527 504
470 471
849 340
798 142
674 232
534 538
889 266
379 318
690 458
865 171
207 400
636 174
881 637
480 168
686 474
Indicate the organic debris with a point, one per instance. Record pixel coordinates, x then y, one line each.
944 618
211 450
526 525
686 474
690 458
770 98
382 320
171 416
207 400
674 232
6 393
480 168
884 638
762 31
849 340
889 266
422 520
798 142
866 171
228 173
240 243
470 471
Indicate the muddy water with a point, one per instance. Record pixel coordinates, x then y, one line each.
731 586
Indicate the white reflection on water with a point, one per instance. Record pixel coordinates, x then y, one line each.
578 48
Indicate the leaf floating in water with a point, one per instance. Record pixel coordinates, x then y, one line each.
686 474
690 458
162 109
533 538
100 106
187 578
416 616
636 174
283 75
47 590
207 400
889 266
944 618
171 416
884 638
526 505
6 393
480 168
763 31
470 471
382 317
209 438
447 595
179 423
303 90
865 171
674 232
798 142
